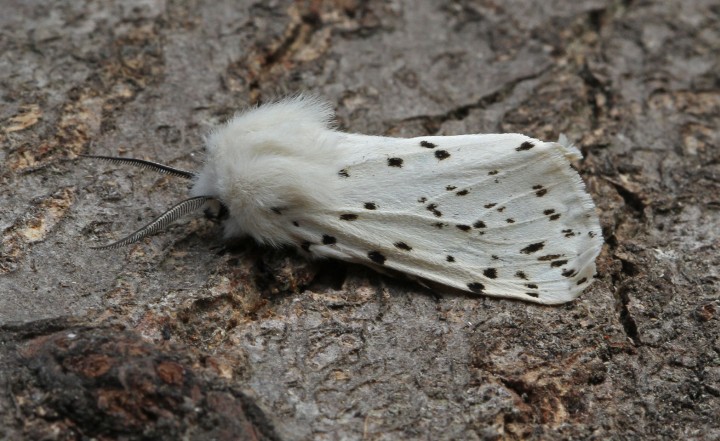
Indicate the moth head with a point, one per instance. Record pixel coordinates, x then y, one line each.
214 209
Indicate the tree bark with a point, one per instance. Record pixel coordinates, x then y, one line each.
182 335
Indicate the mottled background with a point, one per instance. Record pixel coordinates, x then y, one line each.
182 336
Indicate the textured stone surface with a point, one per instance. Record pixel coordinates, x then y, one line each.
334 351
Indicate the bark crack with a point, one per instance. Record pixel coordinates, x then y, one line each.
432 123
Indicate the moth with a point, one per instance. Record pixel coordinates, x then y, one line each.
498 214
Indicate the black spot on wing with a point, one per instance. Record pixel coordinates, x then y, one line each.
476 287
328 240
490 273
490 205
568 272
533 294
549 257
377 257
433 209
348 217
464 227
510 220
427 145
343 173
558 263
531 285
479 224
548 212
422 200
521 275
542 192
403 246
442 154
493 172
439 225
591 233
395 162
295 223
501 209
555 216
450 188
527 145
462 192
533 247
370 206
276 210
581 281
450 258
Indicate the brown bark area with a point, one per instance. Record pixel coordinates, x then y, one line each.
180 335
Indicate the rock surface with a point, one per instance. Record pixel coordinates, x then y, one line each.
181 336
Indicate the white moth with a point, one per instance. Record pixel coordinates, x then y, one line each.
501 215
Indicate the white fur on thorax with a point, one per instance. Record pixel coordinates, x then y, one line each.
278 157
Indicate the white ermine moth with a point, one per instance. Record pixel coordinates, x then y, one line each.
501 215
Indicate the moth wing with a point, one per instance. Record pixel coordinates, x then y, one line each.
502 215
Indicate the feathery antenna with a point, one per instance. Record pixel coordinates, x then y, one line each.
154 166
181 209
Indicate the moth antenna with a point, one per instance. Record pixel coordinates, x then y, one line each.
181 209
154 166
